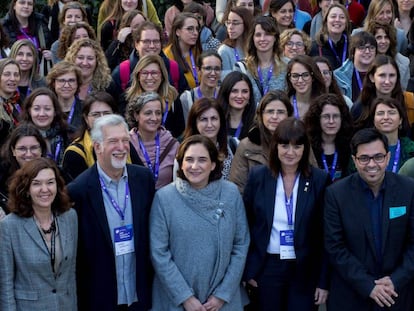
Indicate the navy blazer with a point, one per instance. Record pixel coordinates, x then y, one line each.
350 243
259 199
96 271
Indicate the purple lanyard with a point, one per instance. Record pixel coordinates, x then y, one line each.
200 94
396 157
57 150
238 130
331 171
156 168
289 203
90 89
236 55
358 78
30 38
116 206
27 92
194 68
72 111
343 51
165 114
295 107
18 108
269 76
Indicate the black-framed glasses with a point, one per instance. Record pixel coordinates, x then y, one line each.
363 48
306 76
365 159
299 45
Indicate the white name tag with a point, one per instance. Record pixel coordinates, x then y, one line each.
124 240
287 249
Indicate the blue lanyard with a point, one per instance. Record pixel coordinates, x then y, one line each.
194 68
57 150
289 203
269 76
331 171
30 38
200 94
295 107
396 157
116 206
72 111
358 78
343 51
156 168
238 130
236 54
165 114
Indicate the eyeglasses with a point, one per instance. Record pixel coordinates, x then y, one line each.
154 73
378 158
97 114
363 48
298 44
326 73
234 23
273 112
306 76
192 29
147 42
328 117
211 68
33 149
64 81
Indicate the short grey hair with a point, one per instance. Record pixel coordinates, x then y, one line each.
136 105
108 120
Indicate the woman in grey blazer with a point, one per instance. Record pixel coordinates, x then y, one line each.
38 242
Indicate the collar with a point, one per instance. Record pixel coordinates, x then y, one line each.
108 180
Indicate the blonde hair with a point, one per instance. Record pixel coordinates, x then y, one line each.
287 34
34 71
102 74
166 91
374 8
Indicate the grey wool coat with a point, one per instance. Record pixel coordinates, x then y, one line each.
199 242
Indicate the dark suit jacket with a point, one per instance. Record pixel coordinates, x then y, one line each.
351 247
96 272
259 199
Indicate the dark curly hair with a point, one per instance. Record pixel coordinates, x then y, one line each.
20 202
314 130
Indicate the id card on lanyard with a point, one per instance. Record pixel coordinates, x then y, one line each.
287 247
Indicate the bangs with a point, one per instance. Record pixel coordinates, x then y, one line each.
293 133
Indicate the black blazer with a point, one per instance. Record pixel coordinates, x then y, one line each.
350 244
96 272
259 199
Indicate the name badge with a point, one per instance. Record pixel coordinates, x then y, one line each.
124 242
287 249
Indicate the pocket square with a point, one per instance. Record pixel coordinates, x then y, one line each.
397 211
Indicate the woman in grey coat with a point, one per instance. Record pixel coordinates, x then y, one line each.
199 235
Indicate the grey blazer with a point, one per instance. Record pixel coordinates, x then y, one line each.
27 281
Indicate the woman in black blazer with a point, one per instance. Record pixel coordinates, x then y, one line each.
284 208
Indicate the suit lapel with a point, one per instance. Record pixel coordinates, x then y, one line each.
270 197
64 233
96 203
364 217
389 199
304 189
33 232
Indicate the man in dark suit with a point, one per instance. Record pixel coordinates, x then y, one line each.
369 232
113 200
